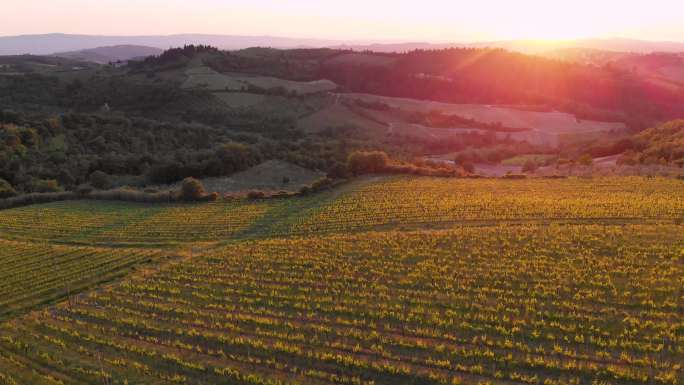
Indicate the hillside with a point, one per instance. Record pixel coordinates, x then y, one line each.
117 53
166 117
658 145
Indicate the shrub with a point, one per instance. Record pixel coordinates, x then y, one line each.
100 180
337 171
282 194
256 194
45 186
305 190
164 173
321 184
468 167
6 189
514 176
192 190
84 189
36 198
529 166
585 160
366 162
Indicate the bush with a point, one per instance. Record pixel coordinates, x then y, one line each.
84 189
192 190
338 171
130 195
367 162
164 173
255 194
529 166
514 176
45 186
321 184
6 189
100 180
305 190
585 160
37 198
468 167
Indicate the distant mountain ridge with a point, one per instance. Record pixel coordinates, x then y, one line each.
52 43
103 55
532 46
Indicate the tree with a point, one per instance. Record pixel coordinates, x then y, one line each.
45 186
530 166
585 160
468 167
6 189
192 190
234 157
365 162
100 180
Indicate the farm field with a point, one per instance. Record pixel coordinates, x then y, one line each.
35 273
366 204
543 128
384 280
571 304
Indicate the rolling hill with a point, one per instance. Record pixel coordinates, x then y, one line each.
104 55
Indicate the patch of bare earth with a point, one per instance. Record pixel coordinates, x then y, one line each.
272 175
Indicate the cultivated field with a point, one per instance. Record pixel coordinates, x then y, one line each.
206 78
388 280
547 128
358 206
36 273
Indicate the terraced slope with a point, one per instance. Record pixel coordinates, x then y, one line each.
532 304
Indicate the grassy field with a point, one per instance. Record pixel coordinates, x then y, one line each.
391 280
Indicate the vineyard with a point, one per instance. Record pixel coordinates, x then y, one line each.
392 280
32 274
360 206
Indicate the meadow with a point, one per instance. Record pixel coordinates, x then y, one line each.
387 280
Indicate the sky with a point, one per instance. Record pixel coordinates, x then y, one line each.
363 20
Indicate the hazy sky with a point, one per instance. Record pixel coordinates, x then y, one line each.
434 20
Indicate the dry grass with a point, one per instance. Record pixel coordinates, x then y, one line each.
557 123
